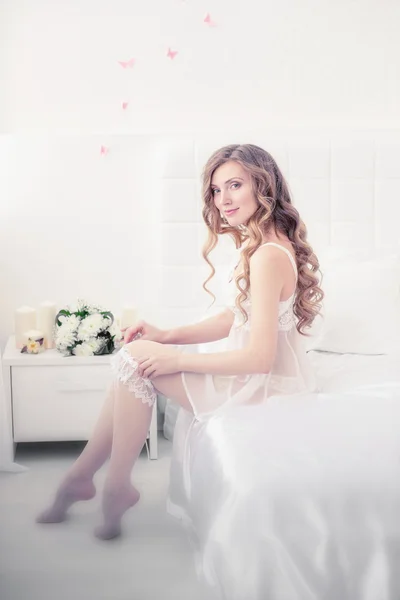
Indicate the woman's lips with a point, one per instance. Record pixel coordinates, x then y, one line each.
230 212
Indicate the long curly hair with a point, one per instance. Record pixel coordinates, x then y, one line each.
274 209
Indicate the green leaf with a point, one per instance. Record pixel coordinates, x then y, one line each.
108 313
64 313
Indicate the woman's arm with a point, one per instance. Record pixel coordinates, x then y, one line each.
210 330
266 283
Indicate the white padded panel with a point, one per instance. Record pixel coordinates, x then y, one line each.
309 158
352 235
180 244
387 206
181 286
174 158
387 159
387 233
352 159
180 201
312 198
352 200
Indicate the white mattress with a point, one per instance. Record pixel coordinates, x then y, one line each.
352 372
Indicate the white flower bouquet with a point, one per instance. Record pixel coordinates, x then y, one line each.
86 329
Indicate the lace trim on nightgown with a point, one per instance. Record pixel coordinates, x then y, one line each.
286 318
125 368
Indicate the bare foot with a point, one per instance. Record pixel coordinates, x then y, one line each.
71 490
115 502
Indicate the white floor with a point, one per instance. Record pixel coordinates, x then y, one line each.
152 560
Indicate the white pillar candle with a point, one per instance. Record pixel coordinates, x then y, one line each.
46 316
24 319
129 316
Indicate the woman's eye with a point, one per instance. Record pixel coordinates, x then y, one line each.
215 190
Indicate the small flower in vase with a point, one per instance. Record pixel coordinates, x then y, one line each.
85 329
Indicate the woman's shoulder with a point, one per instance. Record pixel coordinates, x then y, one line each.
276 250
277 261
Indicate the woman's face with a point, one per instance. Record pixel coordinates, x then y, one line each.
232 191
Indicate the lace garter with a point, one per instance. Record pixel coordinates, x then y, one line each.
124 366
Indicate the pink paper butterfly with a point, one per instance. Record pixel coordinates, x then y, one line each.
127 63
171 53
124 105
104 150
207 19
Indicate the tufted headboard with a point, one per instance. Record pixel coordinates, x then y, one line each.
346 186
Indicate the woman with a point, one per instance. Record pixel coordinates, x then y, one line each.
245 196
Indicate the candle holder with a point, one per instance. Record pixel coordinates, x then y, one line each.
34 342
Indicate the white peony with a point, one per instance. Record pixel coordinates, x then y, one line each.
90 326
84 349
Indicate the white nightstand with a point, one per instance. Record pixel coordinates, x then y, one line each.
51 397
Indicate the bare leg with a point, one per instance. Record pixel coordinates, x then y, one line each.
78 484
121 431
133 406
131 423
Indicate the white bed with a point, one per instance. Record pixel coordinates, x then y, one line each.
323 520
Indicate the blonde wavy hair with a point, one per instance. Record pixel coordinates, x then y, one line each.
275 209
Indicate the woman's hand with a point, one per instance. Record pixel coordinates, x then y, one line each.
162 364
144 331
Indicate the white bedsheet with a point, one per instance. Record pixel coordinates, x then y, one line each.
298 499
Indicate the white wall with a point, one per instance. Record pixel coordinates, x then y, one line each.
290 63
74 223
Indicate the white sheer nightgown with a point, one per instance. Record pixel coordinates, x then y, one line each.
291 372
